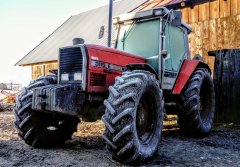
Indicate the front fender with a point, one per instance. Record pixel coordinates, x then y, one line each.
186 70
142 66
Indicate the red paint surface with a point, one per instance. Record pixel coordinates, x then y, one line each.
112 56
186 71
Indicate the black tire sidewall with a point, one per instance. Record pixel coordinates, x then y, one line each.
151 146
37 119
207 126
191 123
128 143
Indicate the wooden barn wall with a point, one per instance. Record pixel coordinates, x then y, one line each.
215 24
42 69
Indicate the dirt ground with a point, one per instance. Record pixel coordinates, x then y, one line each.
220 148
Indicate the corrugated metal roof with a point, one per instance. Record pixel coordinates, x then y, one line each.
157 3
85 25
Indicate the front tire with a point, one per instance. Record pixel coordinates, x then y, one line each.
197 104
40 129
133 117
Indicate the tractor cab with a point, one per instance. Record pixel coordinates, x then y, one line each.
154 35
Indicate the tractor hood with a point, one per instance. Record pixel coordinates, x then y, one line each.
112 56
104 64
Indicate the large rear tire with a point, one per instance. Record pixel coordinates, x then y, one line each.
133 117
40 129
197 104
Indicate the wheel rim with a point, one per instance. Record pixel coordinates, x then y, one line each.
52 128
205 101
51 124
146 117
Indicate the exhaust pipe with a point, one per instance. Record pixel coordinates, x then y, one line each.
77 41
110 23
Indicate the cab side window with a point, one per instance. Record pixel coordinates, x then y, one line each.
175 47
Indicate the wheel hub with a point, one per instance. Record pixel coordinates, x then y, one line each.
204 103
141 116
146 118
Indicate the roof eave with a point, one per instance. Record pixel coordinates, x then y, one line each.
23 64
38 63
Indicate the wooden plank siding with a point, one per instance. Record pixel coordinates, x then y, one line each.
204 12
214 9
193 14
215 24
42 69
225 8
235 7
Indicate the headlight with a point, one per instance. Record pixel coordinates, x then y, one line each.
77 76
64 77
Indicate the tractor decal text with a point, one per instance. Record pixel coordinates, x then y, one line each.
99 64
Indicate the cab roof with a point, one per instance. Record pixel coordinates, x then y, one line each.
148 14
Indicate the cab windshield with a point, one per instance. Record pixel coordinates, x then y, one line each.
141 38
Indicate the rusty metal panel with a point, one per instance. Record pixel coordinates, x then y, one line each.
158 3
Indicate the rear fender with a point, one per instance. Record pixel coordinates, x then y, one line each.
142 66
186 70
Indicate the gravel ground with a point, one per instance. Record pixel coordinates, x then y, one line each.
220 148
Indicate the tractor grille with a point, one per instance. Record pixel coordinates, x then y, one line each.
97 79
71 60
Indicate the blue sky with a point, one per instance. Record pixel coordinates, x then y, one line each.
25 23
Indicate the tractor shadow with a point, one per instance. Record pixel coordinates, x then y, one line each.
89 135
87 142
170 132
89 139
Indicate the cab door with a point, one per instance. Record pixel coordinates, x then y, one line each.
177 49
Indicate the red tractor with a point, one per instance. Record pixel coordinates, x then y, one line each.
147 75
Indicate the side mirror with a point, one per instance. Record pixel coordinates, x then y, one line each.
101 32
177 18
